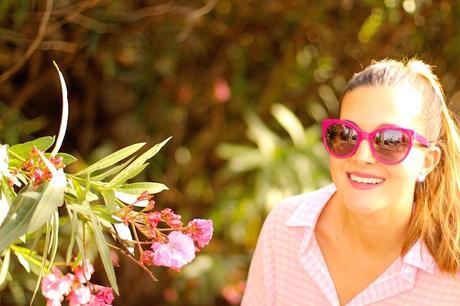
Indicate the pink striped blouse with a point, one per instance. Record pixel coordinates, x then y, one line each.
288 268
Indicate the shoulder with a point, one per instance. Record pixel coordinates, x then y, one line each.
439 286
301 209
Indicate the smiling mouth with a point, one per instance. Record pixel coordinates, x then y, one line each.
364 181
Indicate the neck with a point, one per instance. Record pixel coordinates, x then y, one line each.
379 233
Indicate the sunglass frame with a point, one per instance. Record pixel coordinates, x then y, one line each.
412 135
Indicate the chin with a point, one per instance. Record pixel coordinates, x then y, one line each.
362 207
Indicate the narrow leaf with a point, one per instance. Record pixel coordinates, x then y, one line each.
266 140
67 159
54 236
112 158
130 199
22 150
23 261
43 266
31 256
52 197
133 172
109 199
111 171
65 113
102 213
4 206
290 123
72 217
5 266
104 253
138 162
138 188
17 221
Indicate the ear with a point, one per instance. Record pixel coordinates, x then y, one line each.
432 158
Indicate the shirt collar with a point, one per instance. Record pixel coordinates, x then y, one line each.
419 256
307 212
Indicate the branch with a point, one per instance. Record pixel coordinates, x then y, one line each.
73 13
193 18
146 12
89 23
35 44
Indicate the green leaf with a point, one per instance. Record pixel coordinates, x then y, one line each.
66 158
37 239
266 140
73 221
17 221
126 173
54 236
101 212
133 172
43 266
65 113
31 256
23 149
23 261
8 192
290 123
104 253
79 190
113 158
5 266
138 188
111 171
52 197
241 158
110 200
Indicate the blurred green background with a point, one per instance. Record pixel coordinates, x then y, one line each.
240 85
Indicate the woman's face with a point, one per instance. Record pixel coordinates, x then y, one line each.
369 107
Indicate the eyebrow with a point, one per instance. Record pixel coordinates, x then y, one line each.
378 126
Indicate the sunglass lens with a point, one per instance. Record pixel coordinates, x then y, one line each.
341 139
391 146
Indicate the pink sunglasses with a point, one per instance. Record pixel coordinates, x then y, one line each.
389 144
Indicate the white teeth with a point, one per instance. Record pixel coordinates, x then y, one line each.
365 180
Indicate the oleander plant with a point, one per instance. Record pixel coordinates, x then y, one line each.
50 220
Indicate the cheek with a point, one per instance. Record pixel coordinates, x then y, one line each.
336 169
408 171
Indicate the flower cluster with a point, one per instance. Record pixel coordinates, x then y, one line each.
98 197
173 250
36 170
75 287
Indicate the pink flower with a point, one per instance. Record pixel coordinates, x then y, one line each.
178 252
38 175
145 196
101 296
201 231
79 295
53 303
234 293
172 219
55 286
222 91
153 218
83 272
147 258
104 294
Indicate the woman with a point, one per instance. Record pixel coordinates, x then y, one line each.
387 231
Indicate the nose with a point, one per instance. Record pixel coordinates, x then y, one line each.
364 154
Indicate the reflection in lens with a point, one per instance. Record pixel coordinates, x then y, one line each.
341 139
391 145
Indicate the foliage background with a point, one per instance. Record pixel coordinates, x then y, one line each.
145 70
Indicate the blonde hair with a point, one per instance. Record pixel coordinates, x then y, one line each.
436 215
